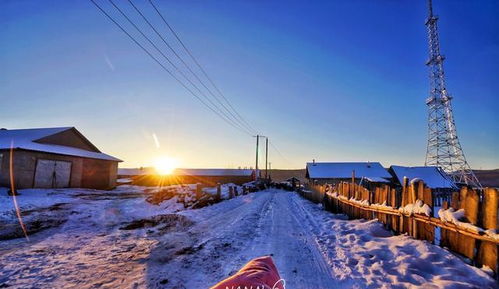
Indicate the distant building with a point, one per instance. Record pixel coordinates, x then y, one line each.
434 177
54 158
209 177
336 172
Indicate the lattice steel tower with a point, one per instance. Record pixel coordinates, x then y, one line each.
444 149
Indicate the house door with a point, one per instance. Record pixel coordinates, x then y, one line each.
62 174
52 174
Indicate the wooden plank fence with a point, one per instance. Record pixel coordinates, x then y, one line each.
468 224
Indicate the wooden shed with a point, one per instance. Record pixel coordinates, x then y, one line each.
54 158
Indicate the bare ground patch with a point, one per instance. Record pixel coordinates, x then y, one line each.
162 223
35 220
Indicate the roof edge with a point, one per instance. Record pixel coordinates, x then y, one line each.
51 153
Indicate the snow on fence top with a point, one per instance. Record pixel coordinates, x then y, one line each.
188 172
27 139
433 177
344 170
468 223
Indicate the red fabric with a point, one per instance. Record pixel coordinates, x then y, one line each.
258 272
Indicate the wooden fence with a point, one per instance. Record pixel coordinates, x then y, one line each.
471 232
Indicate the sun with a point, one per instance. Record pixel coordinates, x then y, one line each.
165 165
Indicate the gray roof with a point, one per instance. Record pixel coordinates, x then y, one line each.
340 170
26 139
433 177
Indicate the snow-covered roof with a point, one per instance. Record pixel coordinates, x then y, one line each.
26 139
376 180
344 170
433 177
187 172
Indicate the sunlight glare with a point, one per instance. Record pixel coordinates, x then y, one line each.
165 165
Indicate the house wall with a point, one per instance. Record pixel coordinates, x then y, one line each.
85 173
366 184
113 174
70 138
4 168
331 181
99 174
25 166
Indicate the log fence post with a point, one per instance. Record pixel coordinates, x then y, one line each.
219 193
487 253
469 202
231 192
199 191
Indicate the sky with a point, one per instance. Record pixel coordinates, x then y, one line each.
324 80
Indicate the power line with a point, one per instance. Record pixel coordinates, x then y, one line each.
217 99
162 66
215 109
279 152
199 65
172 64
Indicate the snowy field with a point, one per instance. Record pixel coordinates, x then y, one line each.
117 240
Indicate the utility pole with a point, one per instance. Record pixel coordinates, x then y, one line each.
256 166
257 175
266 158
270 170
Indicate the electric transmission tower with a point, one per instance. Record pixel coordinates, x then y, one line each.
444 149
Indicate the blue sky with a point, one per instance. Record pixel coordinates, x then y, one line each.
331 80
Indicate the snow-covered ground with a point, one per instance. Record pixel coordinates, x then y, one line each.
197 248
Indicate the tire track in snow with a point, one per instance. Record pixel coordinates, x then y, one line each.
310 226
214 244
225 222
264 223
256 230
289 238
335 259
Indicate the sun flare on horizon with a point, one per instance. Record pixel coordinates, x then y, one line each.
165 165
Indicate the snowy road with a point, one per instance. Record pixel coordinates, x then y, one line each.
312 249
266 223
